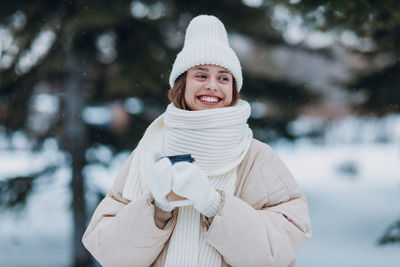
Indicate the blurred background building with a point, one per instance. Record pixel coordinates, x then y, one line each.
81 80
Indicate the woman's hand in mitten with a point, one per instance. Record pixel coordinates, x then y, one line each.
191 182
161 183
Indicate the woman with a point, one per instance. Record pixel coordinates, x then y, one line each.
236 205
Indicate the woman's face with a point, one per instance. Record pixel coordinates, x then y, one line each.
208 86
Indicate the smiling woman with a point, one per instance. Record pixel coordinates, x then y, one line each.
208 86
203 87
177 93
234 203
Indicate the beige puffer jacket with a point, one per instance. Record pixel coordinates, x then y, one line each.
265 222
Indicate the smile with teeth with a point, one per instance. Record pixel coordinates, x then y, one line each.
209 99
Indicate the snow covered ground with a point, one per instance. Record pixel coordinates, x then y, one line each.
349 212
352 186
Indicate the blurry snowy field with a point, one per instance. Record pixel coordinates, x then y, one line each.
349 212
351 178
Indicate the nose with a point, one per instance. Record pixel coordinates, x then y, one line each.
211 84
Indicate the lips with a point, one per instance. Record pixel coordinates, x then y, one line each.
209 99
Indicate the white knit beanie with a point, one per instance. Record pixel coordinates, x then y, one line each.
206 42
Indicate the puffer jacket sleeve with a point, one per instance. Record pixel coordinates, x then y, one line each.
267 223
123 233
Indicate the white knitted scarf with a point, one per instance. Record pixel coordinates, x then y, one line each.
218 140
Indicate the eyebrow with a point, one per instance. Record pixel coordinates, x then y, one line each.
206 70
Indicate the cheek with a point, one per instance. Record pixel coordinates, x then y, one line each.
228 94
188 92
186 97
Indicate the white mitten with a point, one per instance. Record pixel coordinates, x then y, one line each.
161 183
191 182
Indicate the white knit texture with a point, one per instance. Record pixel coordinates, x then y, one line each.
218 139
184 243
215 206
188 247
206 42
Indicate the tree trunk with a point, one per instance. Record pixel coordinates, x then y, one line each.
75 141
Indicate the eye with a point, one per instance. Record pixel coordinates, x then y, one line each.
223 78
201 76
